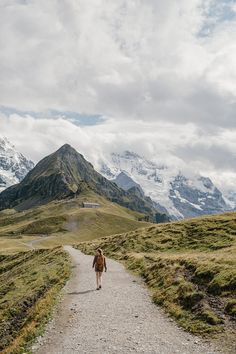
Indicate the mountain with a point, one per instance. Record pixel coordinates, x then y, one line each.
180 196
231 197
13 165
66 174
126 182
196 197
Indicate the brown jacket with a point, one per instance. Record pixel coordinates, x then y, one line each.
98 267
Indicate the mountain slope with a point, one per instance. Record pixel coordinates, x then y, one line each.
197 196
125 182
65 221
66 174
13 165
181 196
190 267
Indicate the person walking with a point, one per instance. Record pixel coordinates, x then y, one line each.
99 263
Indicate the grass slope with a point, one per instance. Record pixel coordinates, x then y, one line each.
29 283
190 267
64 222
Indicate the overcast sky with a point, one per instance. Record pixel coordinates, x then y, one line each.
156 77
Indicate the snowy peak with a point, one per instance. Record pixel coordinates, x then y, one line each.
196 196
13 165
130 162
154 178
181 196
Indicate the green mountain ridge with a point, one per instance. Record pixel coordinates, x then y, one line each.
66 174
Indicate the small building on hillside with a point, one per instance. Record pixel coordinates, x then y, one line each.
90 205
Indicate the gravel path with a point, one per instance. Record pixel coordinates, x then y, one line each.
31 243
120 318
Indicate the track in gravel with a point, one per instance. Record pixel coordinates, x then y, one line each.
120 318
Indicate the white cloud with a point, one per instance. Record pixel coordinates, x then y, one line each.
163 73
125 58
182 146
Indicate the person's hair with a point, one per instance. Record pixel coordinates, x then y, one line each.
100 250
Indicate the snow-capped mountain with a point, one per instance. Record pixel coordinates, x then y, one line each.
231 197
181 196
13 165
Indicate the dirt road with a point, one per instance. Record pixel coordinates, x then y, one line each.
120 318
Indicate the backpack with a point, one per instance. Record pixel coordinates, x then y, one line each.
100 261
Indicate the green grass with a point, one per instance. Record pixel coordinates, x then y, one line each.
9 245
189 266
29 284
65 222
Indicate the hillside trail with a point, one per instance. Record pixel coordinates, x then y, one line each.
120 318
37 241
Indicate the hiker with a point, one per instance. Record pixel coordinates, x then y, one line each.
99 263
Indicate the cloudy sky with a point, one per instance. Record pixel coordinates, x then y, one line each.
156 77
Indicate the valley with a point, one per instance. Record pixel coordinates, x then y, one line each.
118 177
188 265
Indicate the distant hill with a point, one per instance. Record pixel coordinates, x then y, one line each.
66 174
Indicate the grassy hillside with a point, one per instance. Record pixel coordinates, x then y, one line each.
64 222
29 283
190 267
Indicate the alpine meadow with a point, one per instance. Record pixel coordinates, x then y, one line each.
117 177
